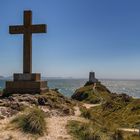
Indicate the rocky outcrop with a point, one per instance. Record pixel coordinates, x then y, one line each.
52 103
91 93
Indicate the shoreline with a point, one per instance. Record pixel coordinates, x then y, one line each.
68 86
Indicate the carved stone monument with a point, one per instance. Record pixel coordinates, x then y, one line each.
27 82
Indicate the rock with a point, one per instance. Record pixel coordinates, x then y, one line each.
28 98
15 106
121 97
7 112
66 111
80 96
2 117
41 101
53 100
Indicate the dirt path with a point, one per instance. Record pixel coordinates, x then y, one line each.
9 134
129 129
57 126
90 105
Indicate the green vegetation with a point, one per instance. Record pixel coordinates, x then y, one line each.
113 114
120 109
31 122
82 131
119 113
96 131
116 111
54 100
90 131
90 95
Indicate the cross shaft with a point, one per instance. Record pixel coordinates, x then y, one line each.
27 29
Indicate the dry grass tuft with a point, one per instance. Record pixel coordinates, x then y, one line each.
31 122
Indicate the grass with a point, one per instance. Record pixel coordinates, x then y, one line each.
89 95
120 109
82 131
109 117
90 131
116 111
31 122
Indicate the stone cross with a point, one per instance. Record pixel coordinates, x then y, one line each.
27 29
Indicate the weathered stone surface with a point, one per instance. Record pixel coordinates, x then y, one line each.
41 101
26 82
92 78
27 77
52 103
25 87
27 29
6 112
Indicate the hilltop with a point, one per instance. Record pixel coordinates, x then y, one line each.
93 112
115 111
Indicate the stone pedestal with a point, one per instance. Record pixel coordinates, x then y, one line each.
27 77
26 84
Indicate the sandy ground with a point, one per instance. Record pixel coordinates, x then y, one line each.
90 105
129 130
56 128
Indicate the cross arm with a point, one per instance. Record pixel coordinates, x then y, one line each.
16 29
39 28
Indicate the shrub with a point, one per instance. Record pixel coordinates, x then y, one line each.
85 113
31 122
82 131
117 135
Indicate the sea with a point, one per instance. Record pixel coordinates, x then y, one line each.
68 86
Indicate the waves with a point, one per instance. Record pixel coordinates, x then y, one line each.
130 87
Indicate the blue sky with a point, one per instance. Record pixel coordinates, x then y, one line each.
83 35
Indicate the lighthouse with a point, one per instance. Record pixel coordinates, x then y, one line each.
92 78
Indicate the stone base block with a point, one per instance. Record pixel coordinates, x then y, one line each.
27 77
25 87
